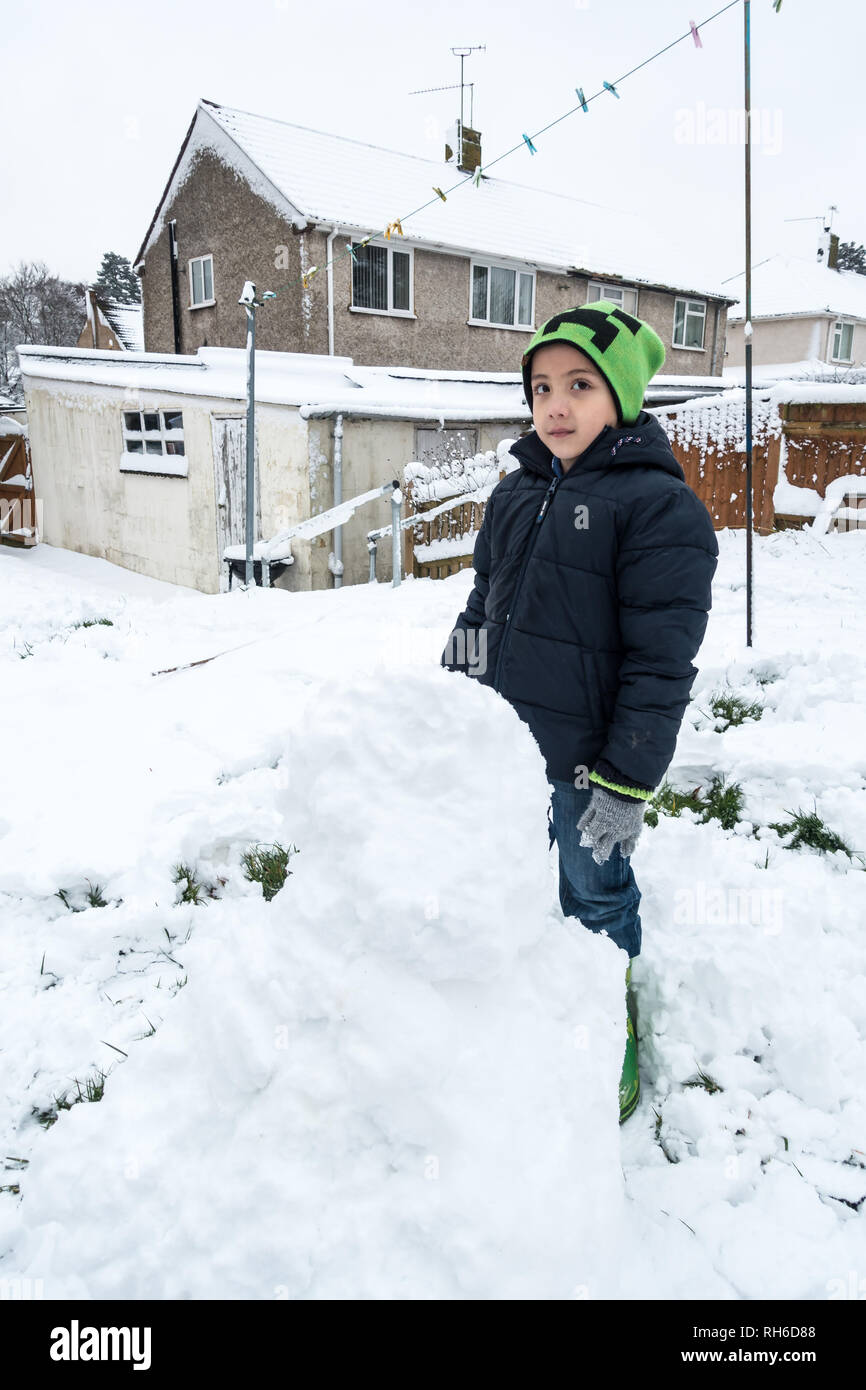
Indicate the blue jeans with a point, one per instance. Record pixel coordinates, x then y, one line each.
604 896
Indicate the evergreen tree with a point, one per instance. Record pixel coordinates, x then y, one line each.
851 257
117 280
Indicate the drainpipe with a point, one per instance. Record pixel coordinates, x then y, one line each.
328 249
175 292
337 566
715 353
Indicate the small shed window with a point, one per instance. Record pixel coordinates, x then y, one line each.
153 442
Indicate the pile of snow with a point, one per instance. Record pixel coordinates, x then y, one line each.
398 1077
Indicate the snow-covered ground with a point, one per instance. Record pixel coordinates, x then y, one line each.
397 1078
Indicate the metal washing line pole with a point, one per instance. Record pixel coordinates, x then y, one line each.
748 328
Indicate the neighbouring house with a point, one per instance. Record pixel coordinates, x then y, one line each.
111 324
802 311
461 286
141 457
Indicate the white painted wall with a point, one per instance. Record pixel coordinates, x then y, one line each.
166 527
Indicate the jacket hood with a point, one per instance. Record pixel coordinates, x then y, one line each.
644 443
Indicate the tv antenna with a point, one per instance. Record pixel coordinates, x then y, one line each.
826 218
461 53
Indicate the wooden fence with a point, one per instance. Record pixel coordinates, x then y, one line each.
822 441
442 540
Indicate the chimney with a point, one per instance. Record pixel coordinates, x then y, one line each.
828 249
466 153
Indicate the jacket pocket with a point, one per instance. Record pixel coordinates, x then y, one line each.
592 692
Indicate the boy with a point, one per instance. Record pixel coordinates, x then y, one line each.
593 574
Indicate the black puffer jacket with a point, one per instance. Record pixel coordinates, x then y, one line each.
591 598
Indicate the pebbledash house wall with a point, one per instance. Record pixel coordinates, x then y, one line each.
217 213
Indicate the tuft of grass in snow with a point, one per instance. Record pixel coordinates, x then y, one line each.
702 1079
46 1118
723 803
730 710
807 828
671 802
720 802
94 622
93 896
671 1158
28 650
268 865
94 1087
193 888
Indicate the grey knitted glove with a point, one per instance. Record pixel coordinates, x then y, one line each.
607 820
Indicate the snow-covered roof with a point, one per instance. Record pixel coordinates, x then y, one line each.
809 369
789 286
312 177
317 384
128 323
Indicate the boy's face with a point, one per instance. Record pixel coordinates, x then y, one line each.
571 401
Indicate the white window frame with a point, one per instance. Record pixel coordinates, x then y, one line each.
148 461
690 312
616 293
390 312
200 303
839 327
516 269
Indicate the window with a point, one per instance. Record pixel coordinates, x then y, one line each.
381 279
690 316
843 341
201 281
153 442
501 297
618 294
445 446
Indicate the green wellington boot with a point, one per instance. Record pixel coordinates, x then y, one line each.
629 1085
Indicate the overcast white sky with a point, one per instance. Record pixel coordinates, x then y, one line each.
99 96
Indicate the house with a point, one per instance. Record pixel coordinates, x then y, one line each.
802 311
459 284
111 324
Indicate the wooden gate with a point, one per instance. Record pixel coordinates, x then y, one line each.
19 522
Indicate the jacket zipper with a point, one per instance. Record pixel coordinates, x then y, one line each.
530 546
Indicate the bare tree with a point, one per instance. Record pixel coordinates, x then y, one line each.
36 307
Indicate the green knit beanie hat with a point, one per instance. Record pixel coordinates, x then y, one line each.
627 352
